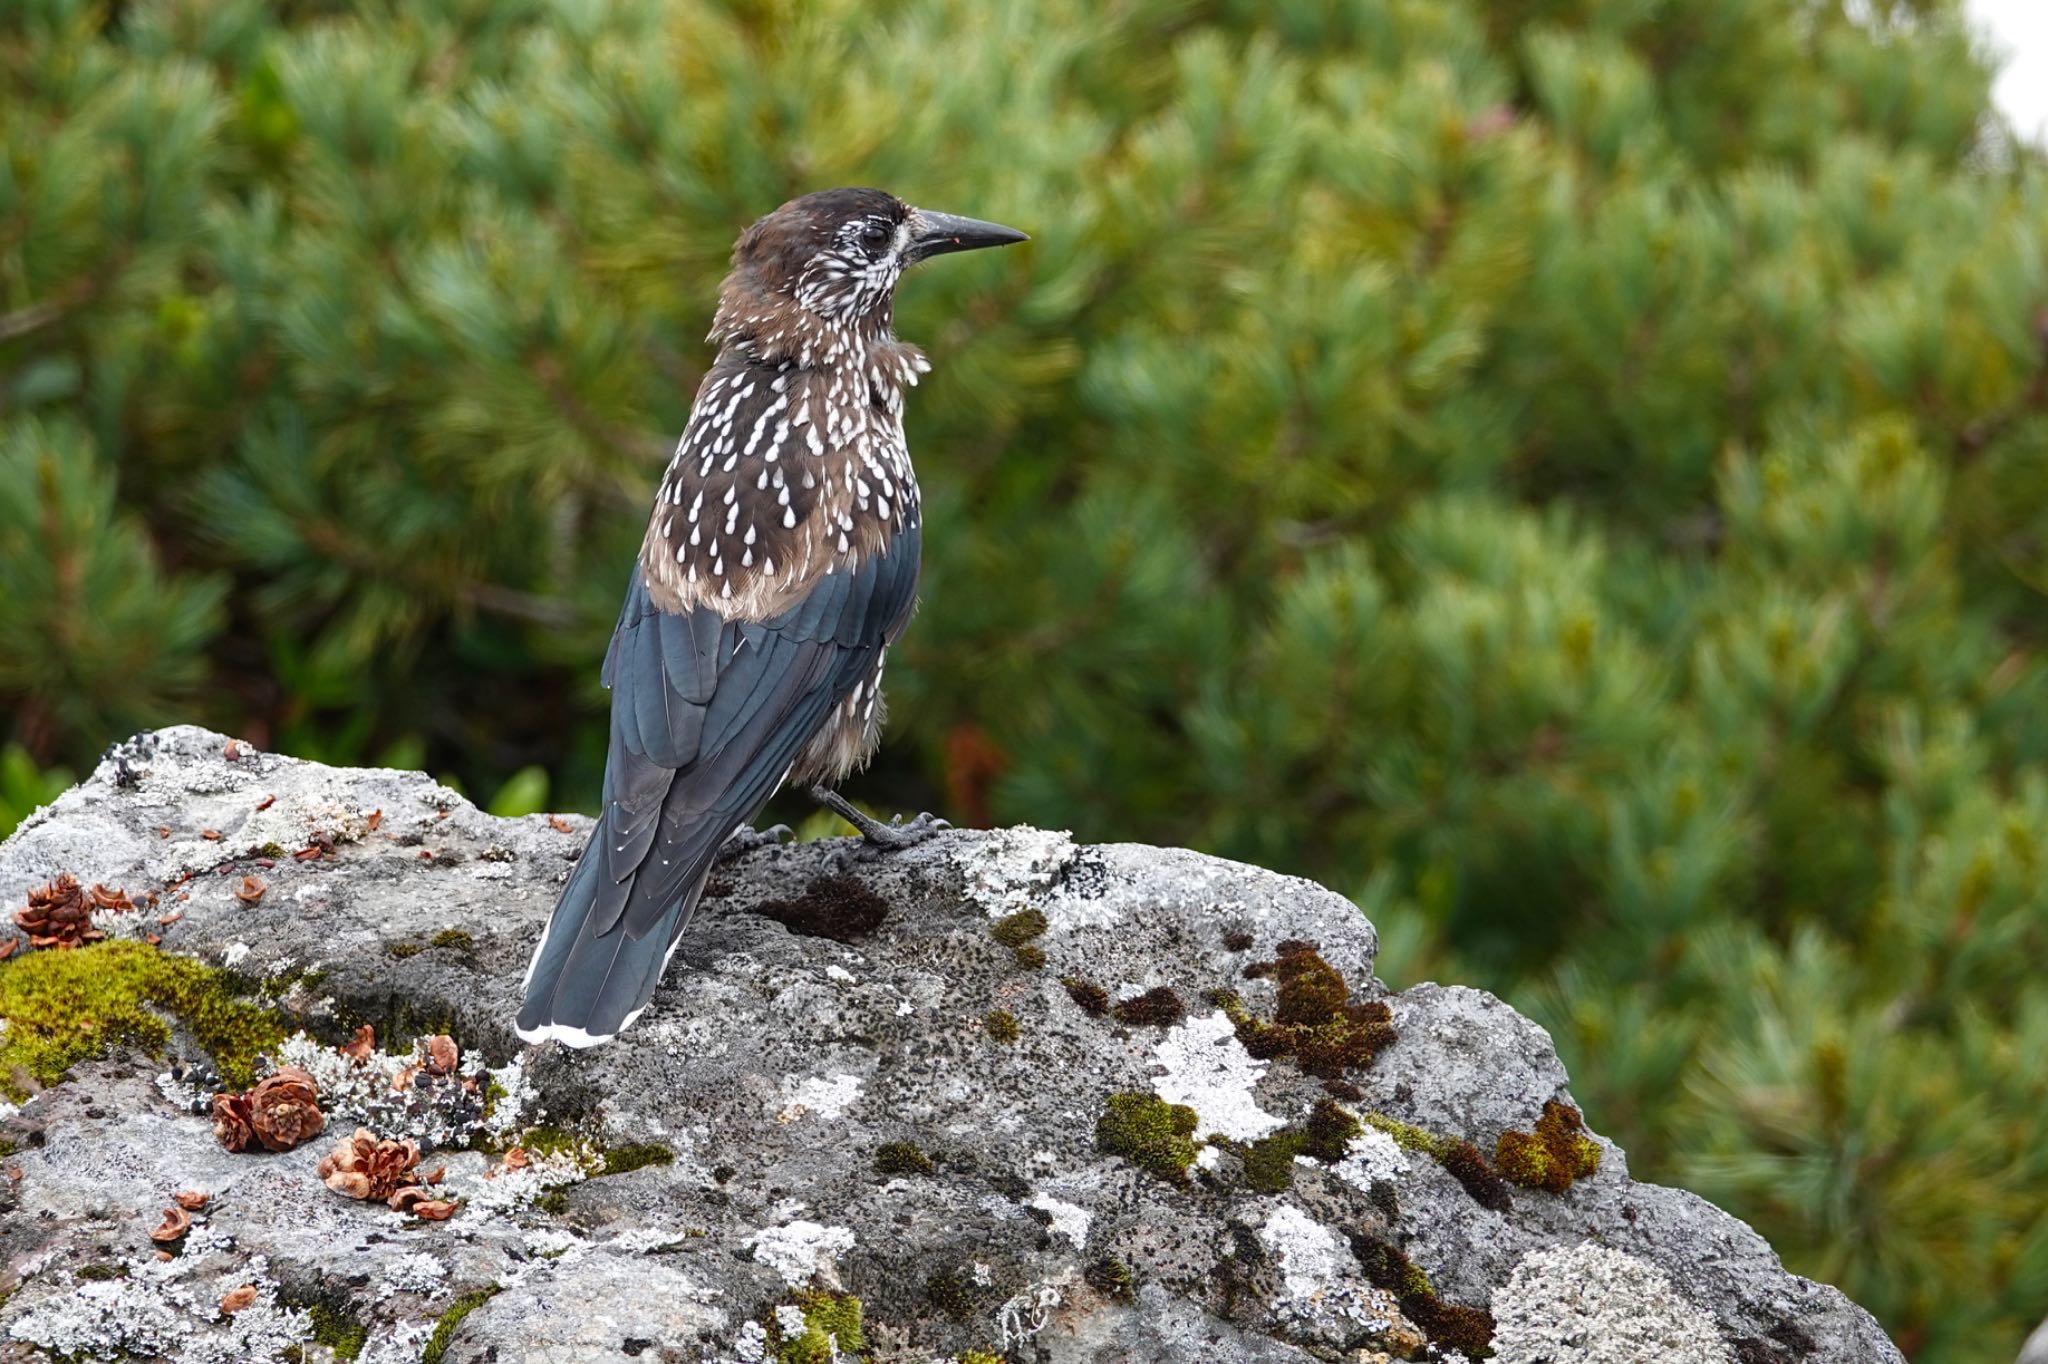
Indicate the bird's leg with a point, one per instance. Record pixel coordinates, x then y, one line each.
892 837
746 838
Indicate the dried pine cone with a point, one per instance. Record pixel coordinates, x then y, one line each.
232 1127
362 1166
59 915
284 1109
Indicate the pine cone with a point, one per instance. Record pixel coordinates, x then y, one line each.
284 1109
59 915
231 1122
362 1166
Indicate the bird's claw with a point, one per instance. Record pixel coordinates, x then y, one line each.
746 839
896 835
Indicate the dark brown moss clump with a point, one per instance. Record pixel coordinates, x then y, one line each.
1237 940
1461 1159
1554 1155
1093 999
1315 1020
1001 1025
953 1294
835 907
1158 1007
1448 1325
901 1158
1468 1166
1110 1277
1150 1133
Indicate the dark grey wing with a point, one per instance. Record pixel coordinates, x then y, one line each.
708 715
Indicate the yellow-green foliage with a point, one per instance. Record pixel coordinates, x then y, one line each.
1001 1025
1149 1132
832 1331
444 1328
62 1006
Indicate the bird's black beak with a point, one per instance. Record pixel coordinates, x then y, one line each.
936 234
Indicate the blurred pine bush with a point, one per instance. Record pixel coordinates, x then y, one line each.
1572 473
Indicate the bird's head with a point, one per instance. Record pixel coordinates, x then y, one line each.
830 261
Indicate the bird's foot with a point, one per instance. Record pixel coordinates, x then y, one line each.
746 839
894 836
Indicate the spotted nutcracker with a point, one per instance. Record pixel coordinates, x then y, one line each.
780 563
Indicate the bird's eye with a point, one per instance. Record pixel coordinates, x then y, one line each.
875 237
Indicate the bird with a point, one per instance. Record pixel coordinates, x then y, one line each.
780 562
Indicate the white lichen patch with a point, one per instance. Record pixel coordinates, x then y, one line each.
1598 1306
1321 1294
395 1094
1068 1220
1014 868
826 1097
413 1273
801 1250
162 1311
1371 1158
1307 1252
1208 1069
1026 1313
403 1343
504 1189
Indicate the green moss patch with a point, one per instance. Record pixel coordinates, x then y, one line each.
1552 1157
338 1331
1269 1161
453 938
894 1158
620 1159
1015 930
953 1294
62 1006
1150 1133
444 1329
1315 1021
1001 1025
832 1331
1448 1325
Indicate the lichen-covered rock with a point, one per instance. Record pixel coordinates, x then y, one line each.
812 1141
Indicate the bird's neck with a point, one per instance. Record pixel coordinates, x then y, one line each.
768 328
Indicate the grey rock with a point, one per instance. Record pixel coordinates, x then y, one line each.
2035 1350
773 1065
